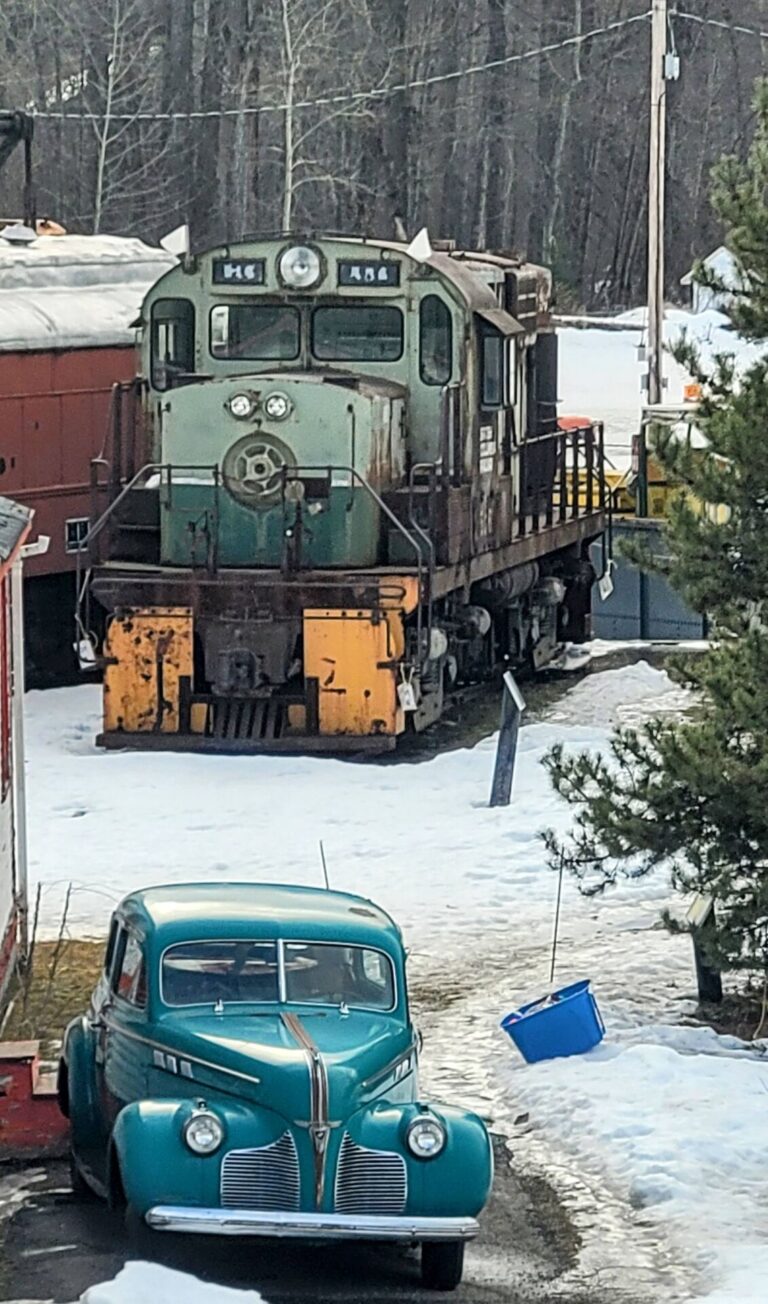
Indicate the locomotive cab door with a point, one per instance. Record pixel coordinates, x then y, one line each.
493 500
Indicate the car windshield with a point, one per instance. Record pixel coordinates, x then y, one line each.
199 973
314 973
319 973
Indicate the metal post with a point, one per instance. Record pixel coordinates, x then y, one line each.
512 708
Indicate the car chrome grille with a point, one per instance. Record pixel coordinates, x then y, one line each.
370 1181
264 1178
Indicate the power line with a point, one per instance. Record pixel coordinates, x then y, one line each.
351 97
719 23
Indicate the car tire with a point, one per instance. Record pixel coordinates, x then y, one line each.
140 1237
80 1188
442 1264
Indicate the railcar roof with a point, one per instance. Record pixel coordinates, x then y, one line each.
74 291
184 910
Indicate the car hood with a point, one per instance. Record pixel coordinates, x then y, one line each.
302 1064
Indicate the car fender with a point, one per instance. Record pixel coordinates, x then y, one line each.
457 1182
77 1083
150 1163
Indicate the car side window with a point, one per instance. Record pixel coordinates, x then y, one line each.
130 981
109 955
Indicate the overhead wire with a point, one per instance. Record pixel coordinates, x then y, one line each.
352 97
719 23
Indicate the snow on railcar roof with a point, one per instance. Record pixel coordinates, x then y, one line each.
74 291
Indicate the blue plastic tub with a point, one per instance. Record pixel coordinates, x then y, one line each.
567 1023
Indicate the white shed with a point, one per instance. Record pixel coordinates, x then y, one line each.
723 264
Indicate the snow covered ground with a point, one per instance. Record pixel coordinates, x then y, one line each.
600 371
657 1138
147 1283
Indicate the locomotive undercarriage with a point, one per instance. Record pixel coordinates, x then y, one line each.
263 661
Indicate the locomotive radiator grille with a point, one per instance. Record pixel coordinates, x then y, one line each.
370 1181
266 1178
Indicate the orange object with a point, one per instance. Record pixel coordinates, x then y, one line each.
574 423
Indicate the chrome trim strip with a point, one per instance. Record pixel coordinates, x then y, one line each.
394 1064
315 1226
192 1059
319 1128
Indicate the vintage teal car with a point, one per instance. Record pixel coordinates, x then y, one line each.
248 1067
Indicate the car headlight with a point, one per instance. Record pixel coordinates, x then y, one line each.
300 267
425 1137
278 407
203 1133
242 406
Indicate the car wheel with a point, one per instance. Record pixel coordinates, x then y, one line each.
140 1236
80 1188
442 1264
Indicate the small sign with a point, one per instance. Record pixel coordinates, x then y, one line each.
605 586
238 271
369 272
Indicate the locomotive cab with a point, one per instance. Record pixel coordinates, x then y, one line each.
338 489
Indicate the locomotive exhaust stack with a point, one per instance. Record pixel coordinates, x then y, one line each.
339 489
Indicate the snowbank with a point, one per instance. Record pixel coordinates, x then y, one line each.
146 1283
420 839
601 372
676 1120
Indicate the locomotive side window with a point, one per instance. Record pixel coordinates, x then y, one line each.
491 368
173 340
357 333
435 341
266 332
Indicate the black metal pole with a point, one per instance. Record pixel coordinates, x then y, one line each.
512 708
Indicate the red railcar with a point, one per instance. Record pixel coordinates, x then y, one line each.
67 304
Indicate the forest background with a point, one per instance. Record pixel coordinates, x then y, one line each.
268 115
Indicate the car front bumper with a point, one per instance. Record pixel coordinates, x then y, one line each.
311 1226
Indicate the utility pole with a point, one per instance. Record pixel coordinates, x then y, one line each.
662 70
656 202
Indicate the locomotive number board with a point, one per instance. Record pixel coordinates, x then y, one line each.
369 272
238 271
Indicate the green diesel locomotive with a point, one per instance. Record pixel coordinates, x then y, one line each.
338 490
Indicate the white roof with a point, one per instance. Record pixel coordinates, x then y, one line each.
722 262
74 291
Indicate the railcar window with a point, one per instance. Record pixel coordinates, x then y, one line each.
492 370
199 973
435 341
320 973
357 333
264 332
173 340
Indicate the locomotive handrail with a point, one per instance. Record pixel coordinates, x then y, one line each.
432 468
97 527
350 470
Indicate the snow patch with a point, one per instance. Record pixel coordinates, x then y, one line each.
147 1283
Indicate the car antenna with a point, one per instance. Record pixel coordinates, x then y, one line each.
325 867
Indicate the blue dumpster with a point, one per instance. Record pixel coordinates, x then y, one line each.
566 1023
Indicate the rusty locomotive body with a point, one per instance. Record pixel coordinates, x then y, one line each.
339 490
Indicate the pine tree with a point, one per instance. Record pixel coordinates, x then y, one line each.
693 793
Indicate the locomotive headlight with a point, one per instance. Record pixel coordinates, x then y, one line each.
203 1132
300 267
425 1137
278 407
242 406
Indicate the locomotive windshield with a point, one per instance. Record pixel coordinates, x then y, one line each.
256 332
357 333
